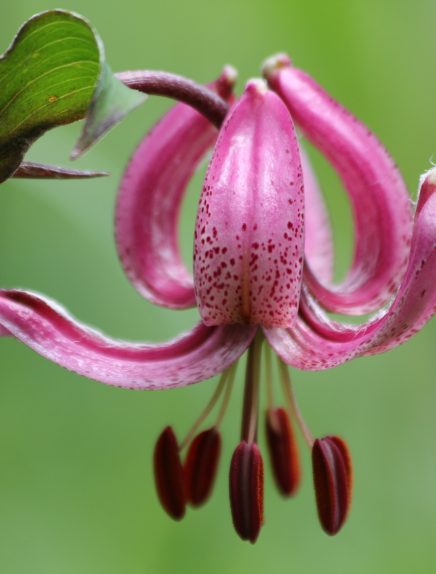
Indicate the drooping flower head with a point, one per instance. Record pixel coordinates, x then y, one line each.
262 279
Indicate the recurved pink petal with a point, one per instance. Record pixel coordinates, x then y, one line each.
249 236
150 197
316 342
381 205
318 243
51 332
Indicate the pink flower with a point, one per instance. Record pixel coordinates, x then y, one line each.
262 277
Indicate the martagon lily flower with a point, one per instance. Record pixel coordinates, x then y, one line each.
262 280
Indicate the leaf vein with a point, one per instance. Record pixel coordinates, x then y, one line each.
17 94
49 104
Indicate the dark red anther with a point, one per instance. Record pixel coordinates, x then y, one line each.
246 490
332 475
201 465
168 474
283 451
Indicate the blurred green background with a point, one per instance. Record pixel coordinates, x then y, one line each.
76 486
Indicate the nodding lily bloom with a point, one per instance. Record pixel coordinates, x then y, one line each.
262 280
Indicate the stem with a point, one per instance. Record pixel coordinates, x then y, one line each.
291 400
251 391
210 104
203 416
227 395
204 100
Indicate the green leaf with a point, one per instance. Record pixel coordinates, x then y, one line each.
55 73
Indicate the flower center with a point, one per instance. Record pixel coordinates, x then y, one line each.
190 482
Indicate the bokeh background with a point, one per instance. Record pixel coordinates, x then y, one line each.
76 485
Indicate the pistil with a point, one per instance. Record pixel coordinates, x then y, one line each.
246 468
251 391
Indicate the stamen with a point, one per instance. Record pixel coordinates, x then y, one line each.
201 466
251 391
246 490
168 473
269 378
332 476
282 446
227 395
283 451
209 407
204 451
291 401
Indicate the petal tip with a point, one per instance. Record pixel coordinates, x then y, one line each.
226 81
427 188
229 74
429 177
274 63
256 87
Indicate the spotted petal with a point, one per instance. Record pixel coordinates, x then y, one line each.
150 197
381 205
51 332
249 236
316 342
